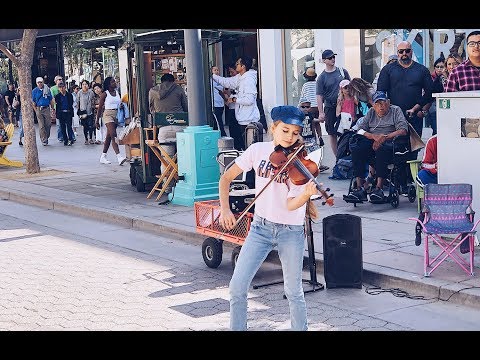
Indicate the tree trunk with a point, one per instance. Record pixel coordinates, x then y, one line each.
24 67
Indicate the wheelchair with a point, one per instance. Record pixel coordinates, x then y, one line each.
398 174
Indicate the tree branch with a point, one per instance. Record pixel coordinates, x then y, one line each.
9 54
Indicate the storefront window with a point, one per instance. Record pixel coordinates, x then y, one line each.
427 44
299 56
443 42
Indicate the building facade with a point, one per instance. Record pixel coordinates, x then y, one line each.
284 54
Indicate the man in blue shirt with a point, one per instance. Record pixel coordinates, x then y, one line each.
42 103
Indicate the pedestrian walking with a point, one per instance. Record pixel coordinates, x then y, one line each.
42 102
107 110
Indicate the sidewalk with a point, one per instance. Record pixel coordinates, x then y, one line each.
74 182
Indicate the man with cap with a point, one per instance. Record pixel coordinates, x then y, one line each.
42 102
327 94
382 123
278 220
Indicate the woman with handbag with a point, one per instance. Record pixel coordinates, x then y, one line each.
85 103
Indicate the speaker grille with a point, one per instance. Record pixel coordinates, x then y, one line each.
342 251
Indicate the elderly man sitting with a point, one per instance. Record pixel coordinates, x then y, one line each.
381 125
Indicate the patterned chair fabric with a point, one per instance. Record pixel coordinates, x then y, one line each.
446 206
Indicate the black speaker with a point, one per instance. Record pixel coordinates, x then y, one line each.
342 251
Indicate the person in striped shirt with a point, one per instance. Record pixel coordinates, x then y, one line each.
309 92
466 76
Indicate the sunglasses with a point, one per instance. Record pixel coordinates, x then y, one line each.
305 106
331 57
406 51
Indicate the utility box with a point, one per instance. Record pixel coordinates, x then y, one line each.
458 139
198 169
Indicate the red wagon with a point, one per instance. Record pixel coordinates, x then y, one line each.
207 214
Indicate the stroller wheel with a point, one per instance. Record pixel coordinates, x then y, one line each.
395 201
412 193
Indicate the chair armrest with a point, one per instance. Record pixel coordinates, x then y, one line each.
401 138
5 143
414 161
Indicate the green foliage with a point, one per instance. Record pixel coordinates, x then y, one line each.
74 53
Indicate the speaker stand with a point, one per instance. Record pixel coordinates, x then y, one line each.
316 286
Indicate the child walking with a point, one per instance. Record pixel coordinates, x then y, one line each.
278 221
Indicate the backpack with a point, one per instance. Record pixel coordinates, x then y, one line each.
343 146
343 169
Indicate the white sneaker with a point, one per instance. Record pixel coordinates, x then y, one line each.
104 160
121 159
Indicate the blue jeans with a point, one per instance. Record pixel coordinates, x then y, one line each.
71 134
20 125
263 236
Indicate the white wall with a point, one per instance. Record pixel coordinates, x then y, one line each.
458 156
329 39
122 68
271 69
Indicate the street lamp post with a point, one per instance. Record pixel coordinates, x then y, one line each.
197 145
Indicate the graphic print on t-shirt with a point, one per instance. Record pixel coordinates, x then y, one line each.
266 170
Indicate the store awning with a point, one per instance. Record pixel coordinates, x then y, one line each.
17 34
109 41
152 37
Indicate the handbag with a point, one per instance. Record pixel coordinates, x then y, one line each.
345 122
82 114
15 103
416 142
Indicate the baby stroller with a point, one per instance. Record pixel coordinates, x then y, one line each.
242 188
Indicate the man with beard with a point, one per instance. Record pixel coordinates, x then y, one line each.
408 85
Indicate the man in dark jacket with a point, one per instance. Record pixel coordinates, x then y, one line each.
167 96
64 113
408 84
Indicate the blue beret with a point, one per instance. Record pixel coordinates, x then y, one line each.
288 114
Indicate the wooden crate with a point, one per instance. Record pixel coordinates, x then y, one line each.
132 138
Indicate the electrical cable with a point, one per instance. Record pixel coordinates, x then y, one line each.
376 290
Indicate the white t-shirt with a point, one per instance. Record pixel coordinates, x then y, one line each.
272 203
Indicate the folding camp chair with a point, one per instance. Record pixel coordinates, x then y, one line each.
447 209
415 191
170 172
3 159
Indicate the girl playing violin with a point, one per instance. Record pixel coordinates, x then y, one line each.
278 220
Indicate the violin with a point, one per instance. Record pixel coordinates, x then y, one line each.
300 169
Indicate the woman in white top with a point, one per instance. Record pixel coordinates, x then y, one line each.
75 119
107 110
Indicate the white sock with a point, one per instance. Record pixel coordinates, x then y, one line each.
104 154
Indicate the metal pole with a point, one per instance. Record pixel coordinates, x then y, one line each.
197 114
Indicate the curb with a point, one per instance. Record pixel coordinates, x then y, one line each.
431 289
